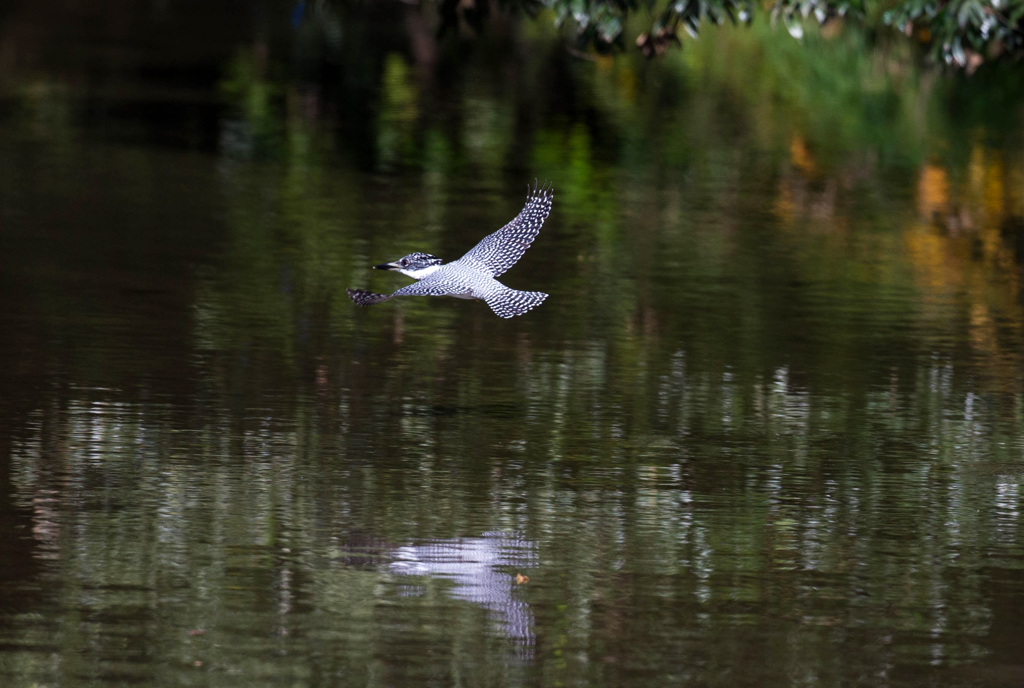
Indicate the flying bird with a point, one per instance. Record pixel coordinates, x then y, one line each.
473 275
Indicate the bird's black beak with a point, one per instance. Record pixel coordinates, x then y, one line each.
385 266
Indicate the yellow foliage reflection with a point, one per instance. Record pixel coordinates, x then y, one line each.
800 156
964 258
932 191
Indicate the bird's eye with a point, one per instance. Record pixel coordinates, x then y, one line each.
403 262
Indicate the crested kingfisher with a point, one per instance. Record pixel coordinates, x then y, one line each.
472 275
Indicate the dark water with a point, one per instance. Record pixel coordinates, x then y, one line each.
766 430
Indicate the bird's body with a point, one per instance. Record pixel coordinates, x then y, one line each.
473 275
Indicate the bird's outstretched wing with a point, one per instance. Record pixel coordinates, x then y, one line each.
421 288
499 251
366 298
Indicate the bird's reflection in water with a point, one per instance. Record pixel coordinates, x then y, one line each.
482 571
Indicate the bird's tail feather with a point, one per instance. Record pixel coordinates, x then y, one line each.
511 302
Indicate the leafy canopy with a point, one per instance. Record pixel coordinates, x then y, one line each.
959 32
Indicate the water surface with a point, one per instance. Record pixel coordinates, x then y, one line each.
765 431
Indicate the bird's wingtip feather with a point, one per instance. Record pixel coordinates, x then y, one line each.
365 298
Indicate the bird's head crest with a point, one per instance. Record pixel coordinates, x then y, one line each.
417 265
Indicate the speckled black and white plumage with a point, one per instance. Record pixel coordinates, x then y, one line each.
499 251
509 303
472 276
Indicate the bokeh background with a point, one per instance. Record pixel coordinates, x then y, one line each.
765 431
